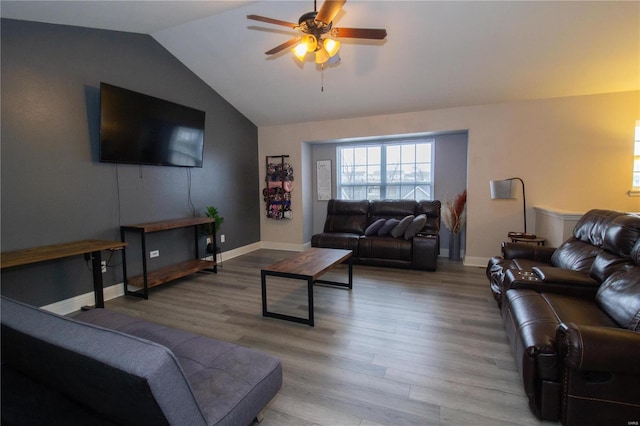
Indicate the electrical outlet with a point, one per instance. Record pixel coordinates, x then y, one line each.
104 266
222 239
154 253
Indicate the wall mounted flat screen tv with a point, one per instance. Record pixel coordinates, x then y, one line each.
141 129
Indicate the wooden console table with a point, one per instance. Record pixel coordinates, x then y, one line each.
150 279
91 249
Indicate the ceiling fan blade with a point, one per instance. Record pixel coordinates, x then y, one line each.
272 21
283 46
370 33
329 10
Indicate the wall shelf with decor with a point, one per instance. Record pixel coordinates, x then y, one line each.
278 187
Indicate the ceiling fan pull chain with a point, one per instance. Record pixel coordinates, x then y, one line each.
322 77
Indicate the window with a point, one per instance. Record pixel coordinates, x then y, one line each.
390 170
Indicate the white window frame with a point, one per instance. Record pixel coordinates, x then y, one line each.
635 181
360 182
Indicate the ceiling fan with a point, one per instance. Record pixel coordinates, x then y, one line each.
318 34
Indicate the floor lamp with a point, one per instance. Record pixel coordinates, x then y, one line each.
505 189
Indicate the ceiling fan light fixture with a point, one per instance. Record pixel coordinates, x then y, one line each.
299 51
311 42
307 44
332 46
313 27
322 56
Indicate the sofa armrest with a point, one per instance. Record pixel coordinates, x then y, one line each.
548 283
552 274
425 252
600 349
527 251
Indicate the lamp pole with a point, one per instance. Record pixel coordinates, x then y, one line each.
524 202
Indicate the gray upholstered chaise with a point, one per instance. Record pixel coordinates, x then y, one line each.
102 367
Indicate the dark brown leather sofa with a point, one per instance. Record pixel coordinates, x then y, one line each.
347 223
572 316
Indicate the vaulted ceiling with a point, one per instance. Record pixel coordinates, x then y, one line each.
436 55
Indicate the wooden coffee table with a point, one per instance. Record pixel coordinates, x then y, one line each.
308 265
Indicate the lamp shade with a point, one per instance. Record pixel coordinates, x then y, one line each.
300 51
502 189
332 46
321 56
308 43
311 42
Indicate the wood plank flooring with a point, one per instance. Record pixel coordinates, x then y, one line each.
402 348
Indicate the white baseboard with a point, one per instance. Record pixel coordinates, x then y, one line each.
76 303
480 262
282 246
227 255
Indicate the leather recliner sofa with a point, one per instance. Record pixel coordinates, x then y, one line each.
572 316
348 224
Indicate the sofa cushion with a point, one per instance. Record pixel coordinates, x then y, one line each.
385 249
374 227
388 226
122 375
605 264
431 209
347 216
576 255
622 234
415 226
398 230
634 257
392 208
231 383
619 296
337 240
593 224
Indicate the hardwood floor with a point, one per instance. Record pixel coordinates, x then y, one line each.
402 348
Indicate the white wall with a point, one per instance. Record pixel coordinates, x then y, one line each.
574 153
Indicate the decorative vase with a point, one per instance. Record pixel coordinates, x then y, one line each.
454 246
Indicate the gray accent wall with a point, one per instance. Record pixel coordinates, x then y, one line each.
53 187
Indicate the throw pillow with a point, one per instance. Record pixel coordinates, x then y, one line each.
415 226
398 231
374 227
388 226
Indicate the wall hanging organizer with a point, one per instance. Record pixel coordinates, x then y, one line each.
279 184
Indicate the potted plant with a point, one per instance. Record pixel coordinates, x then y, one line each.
208 228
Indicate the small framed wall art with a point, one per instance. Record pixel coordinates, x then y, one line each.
323 175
